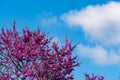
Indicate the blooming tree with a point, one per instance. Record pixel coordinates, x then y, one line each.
87 77
29 56
32 56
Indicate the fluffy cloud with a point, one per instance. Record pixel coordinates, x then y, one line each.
98 54
100 22
47 19
55 39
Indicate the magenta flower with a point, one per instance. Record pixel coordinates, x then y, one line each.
87 77
29 56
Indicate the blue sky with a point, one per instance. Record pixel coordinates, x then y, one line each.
95 24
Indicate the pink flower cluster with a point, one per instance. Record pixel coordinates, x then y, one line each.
87 77
29 56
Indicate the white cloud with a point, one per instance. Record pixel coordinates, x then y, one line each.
101 25
98 54
47 19
100 22
55 39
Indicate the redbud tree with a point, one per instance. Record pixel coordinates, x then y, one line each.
29 56
32 56
93 77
